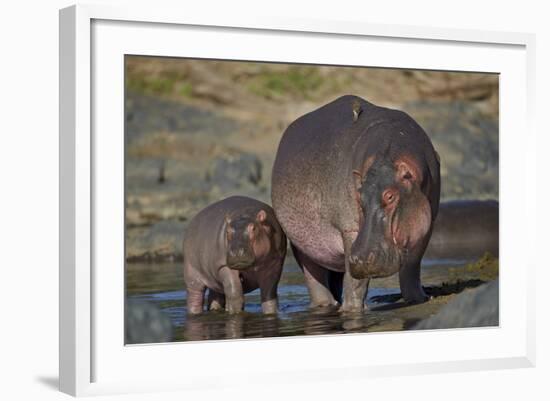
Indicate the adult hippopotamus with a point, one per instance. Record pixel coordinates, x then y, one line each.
232 247
356 189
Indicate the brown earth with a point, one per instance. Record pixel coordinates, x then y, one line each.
198 131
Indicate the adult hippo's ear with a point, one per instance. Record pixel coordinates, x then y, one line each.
261 216
408 173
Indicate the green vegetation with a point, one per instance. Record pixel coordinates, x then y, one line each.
297 80
302 82
486 267
167 83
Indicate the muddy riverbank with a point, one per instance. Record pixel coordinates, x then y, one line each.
162 285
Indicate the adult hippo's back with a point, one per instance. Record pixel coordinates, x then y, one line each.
356 189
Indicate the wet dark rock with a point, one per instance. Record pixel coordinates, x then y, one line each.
472 308
466 139
148 114
235 171
465 229
163 241
146 323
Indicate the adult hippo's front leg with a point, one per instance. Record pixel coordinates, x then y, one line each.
409 279
317 280
355 290
409 282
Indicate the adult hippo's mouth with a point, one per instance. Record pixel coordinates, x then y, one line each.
384 260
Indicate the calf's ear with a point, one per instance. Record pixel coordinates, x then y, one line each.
357 179
261 216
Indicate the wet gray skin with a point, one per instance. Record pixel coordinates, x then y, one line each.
356 189
232 247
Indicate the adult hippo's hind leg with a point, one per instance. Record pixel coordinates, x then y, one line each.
336 282
317 280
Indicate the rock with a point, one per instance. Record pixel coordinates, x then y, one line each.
472 308
146 115
467 142
145 323
465 229
235 171
161 242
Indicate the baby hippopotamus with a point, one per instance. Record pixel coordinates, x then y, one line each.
232 247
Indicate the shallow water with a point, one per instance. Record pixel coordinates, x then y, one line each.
162 285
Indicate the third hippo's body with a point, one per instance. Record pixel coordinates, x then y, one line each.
356 189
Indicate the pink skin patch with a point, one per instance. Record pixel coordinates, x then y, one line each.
409 227
261 246
412 221
259 234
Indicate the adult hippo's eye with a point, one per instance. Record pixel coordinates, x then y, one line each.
388 197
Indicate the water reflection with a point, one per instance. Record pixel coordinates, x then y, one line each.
294 317
219 325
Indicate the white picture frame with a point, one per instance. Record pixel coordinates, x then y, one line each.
93 358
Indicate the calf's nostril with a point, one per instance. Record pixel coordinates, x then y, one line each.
370 259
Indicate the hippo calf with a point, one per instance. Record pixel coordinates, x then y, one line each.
356 189
232 247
